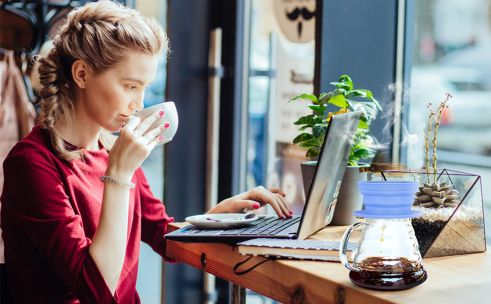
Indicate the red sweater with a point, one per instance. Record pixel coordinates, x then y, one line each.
50 212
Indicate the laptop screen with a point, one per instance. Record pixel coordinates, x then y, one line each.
333 158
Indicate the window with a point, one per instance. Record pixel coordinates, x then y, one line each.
149 284
451 53
282 52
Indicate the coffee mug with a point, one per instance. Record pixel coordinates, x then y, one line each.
170 116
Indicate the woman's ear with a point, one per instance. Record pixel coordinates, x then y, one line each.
80 73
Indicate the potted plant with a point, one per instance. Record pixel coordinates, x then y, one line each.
343 98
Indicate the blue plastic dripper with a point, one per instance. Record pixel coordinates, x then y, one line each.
388 199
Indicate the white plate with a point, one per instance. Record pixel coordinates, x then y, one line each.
220 220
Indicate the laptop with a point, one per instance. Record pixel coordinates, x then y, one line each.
319 205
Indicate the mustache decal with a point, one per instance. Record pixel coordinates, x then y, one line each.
296 14
300 11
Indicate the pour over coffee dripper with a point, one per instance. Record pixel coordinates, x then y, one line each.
387 257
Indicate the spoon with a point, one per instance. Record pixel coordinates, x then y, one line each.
245 217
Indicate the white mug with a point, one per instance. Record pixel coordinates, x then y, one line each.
170 116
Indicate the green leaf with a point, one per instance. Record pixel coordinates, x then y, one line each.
341 86
304 96
353 162
318 109
368 109
340 91
308 120
363 153
360 93
375 101
302 128
314 142
363 124
302 137
345 79
339 101
359 153
313 152
324 97
319 130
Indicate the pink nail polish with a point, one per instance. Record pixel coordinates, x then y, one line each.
255 205
166 125
291 212
161 113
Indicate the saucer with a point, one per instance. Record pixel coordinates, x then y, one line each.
221 220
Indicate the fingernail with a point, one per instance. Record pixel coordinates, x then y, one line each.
255 205
161 138
166 125
161 113
291 212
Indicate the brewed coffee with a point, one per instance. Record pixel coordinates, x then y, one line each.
393 265
388 274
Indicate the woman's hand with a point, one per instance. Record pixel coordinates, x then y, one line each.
254 199
134 144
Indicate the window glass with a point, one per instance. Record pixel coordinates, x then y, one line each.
149 282
282 51
281 65
451 53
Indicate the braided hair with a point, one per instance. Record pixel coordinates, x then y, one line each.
101 34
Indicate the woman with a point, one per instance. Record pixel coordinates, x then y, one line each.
75 202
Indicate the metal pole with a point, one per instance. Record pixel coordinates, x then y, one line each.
238 294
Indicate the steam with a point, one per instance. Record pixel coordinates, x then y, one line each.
411 136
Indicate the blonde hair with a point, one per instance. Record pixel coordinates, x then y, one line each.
100 33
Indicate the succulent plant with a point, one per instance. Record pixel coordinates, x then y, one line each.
437 195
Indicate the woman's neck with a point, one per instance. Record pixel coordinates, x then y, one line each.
81 132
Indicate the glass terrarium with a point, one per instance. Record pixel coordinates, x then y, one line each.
451 202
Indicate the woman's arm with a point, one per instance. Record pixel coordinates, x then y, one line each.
108 247
132 147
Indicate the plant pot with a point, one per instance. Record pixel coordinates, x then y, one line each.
349 198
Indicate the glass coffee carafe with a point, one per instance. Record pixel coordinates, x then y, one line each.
387 257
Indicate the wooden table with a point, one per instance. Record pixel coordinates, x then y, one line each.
455 279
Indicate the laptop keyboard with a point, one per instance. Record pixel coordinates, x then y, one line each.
263 226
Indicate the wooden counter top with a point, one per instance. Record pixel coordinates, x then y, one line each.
455 279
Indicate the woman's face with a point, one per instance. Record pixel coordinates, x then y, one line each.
110 97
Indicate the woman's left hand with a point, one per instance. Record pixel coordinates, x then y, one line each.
254 199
